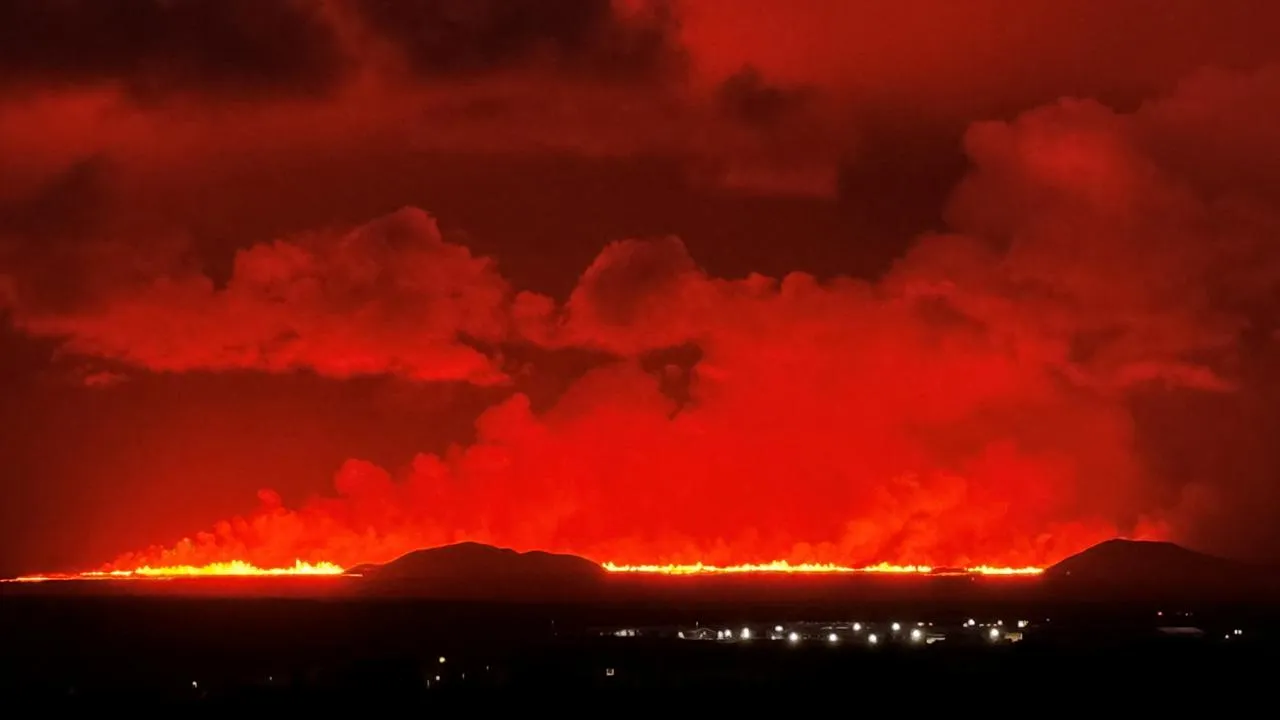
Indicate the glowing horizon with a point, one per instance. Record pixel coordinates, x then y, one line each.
233 568
785 567
242 569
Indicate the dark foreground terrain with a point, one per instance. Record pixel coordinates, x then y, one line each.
1122 625
254 653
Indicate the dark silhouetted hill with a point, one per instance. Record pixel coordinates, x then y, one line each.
1132 568
362 570
473 570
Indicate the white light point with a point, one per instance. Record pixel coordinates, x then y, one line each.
895 627
794 637
916 635
873 639
833 638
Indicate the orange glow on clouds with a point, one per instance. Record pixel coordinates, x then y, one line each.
969 408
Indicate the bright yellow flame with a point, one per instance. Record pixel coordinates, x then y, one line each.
782 566
778 566
239 568
234 568
988 570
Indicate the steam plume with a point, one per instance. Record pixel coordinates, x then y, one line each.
972 406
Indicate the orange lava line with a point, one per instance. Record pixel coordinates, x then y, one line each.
784 567
238 568
235 568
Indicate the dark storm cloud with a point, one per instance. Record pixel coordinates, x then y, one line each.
748 97
159 46
596 38
65 247
65 204
41 233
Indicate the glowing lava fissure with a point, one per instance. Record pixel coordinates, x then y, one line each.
237 568
234 568
784 567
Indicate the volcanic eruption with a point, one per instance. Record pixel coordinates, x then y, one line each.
971 408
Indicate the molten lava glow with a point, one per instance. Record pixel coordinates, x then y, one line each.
988 570
234 568
782 566
912 421
238 568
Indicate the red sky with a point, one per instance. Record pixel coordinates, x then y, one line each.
936 281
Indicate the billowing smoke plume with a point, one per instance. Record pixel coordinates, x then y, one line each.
389 297
974 405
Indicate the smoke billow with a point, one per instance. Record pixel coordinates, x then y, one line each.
974 405
390 297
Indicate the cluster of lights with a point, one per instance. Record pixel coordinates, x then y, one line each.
916 634
993 631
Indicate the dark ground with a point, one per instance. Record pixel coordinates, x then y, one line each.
253 652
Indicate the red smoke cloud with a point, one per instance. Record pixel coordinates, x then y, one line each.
391 297
835 422
972 406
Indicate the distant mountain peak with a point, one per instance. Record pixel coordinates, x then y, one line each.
1147 567
471 569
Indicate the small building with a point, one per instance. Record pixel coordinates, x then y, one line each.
698 633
